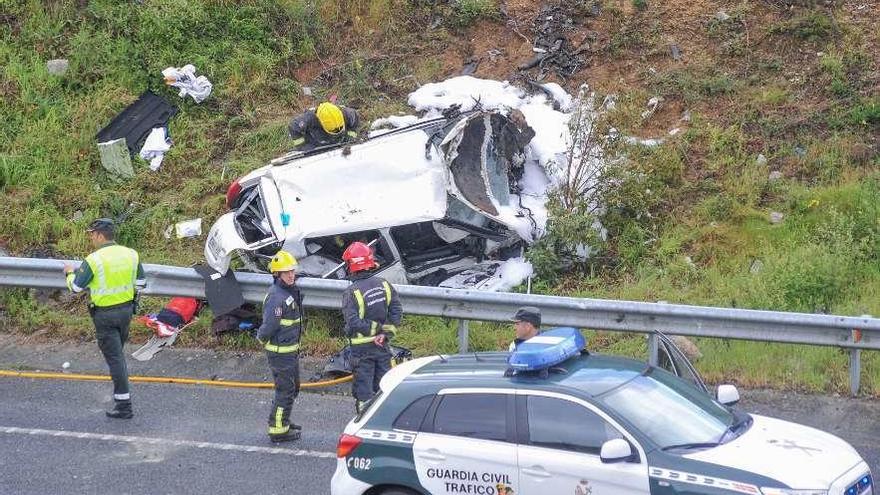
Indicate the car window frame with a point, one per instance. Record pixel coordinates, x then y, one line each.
428 425
522 426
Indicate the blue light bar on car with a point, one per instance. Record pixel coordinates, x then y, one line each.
861 487
547 349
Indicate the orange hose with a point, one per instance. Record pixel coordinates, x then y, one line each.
162 379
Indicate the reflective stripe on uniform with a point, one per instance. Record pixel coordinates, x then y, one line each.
281 349
290 322
362 307
297 142
362 340
387 293
277 428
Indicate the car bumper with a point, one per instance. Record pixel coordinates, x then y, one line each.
342 482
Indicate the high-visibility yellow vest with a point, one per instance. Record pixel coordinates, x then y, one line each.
114 270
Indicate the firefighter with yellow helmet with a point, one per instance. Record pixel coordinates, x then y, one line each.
325 125
280 334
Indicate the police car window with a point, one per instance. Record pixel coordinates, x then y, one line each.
481 416
565 425
411 417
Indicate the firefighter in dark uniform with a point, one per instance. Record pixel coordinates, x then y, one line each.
113 274
280 334
328 124
372 311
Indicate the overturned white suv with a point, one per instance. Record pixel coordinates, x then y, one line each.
437 200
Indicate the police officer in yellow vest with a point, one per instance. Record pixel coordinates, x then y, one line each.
280 334
113 274
372 311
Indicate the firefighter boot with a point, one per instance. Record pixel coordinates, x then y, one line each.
287 436
122 410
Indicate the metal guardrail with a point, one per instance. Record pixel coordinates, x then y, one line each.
853 333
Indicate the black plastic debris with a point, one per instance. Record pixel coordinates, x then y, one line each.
221 290
554 51
137 120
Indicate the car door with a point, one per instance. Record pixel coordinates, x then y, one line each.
559 441
466 444
673 360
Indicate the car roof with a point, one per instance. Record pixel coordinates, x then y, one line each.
590 374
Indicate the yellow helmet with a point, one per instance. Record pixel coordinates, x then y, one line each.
282 262
331 118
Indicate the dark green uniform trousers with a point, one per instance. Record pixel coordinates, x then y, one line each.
111 327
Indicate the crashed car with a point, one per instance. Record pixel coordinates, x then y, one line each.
434 199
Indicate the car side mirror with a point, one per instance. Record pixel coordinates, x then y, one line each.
727 395
617 450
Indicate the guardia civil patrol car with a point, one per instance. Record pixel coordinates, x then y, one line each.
488 424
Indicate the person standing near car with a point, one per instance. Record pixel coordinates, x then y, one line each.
322 126
372 311
280 333
526 324
113 274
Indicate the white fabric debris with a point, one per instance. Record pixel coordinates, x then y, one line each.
188 228
185 79
155 146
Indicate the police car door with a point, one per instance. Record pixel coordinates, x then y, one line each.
466 444
560 438
673 360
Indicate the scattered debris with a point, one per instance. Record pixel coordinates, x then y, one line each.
65 365
775 175
722 16
138 120
554 52
307 91
115 158
187 228
686 116
185 79
675 51
756 267
493 54
77 215
675 131
470 67
800 151
58 66
776 217
155 146
761 160
651 107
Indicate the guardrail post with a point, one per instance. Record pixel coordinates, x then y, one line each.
462 336
653 349
855 370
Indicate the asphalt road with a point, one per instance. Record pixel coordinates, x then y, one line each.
55 439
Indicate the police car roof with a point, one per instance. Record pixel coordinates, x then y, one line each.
588 373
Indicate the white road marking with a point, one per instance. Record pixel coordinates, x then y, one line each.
12 430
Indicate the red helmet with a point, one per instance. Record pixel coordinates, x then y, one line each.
358 256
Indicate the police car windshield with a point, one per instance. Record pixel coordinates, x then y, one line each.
668 410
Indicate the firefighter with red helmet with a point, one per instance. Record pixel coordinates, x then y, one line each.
372 311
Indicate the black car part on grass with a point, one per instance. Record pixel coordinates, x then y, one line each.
137 120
